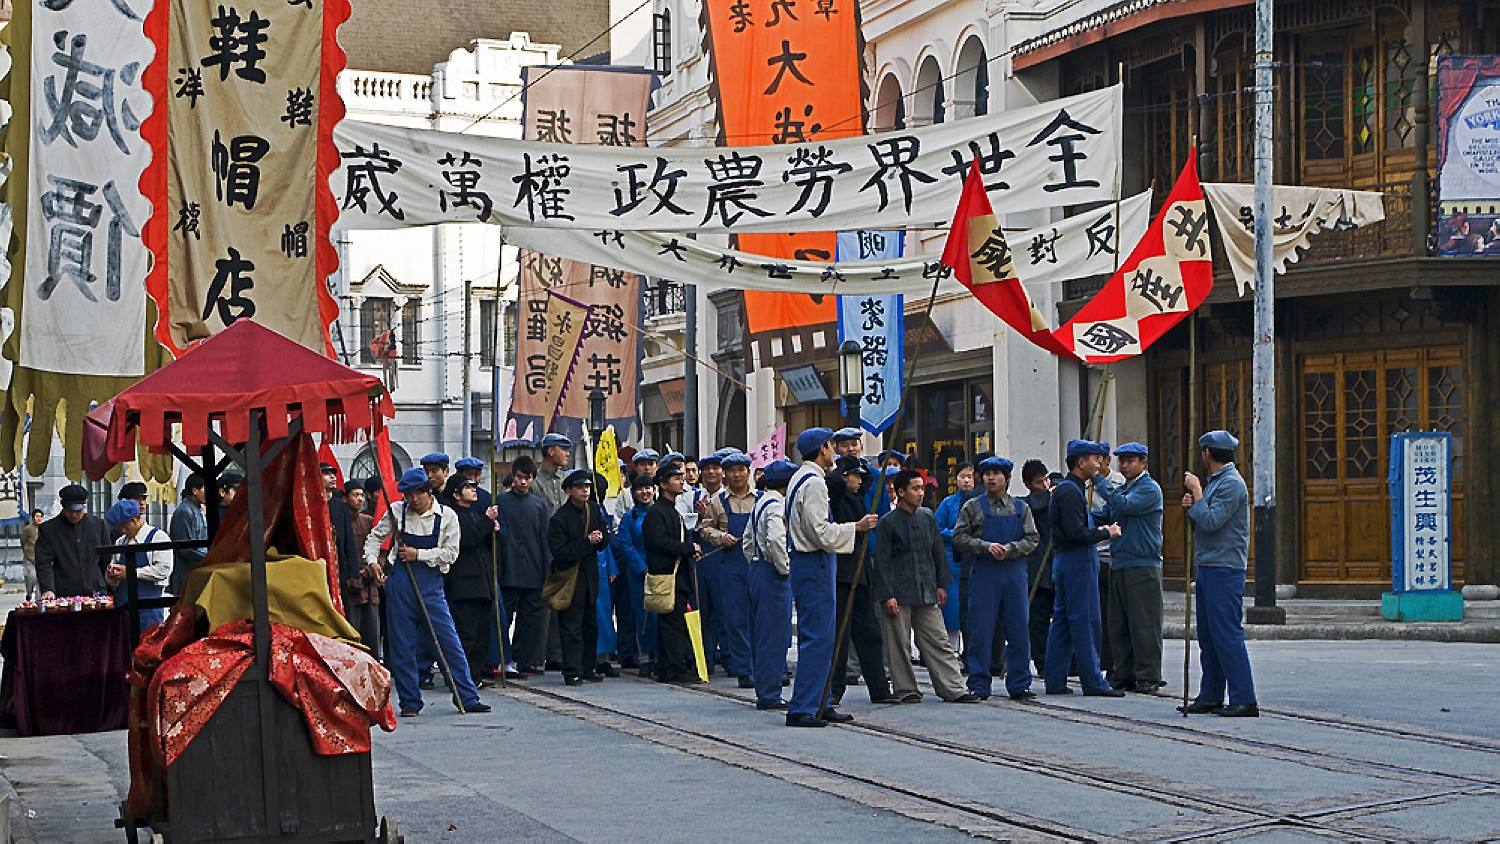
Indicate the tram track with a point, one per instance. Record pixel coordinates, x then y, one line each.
1243 816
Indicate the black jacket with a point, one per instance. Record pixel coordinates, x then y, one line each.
1070 518
567 538
523 540
845 506
1038 562
471 576
344 539
668 544
67 556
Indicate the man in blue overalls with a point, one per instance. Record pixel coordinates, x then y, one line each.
1075 575
1220 513
153 569
813 540
722 525
997 532
770 595
426 545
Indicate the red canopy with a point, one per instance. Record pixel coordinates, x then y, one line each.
243 367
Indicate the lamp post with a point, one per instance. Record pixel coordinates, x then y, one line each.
596 423
851 379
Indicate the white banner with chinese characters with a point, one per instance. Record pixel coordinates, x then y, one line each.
1421 511
1298 214
1058 153
770 449
1077 247
84 305
877 323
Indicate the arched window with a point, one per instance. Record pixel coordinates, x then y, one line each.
928 97
890 108
661 38
971 83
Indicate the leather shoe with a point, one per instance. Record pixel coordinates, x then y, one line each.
607 670
912 697
1145 688
425 683
884 699
483 683
966 697
1104 692
833 716
1199 706
802 719
410 713
478 709
1120 685
573 681
747 682
1239 710
593 678
1062 691
1026 695
767 706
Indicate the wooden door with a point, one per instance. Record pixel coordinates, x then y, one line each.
1350 405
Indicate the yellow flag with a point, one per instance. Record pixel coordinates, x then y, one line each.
607 461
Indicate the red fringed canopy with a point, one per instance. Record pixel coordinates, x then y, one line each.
244 367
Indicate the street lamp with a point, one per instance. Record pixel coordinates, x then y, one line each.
596 413
851 378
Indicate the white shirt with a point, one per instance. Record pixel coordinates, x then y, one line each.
687 506
418 524
157 566
770 542
808 523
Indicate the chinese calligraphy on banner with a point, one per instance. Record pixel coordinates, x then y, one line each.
1299 213
1421 512
565 322
391 177
576 105
770 449
250 111
877 323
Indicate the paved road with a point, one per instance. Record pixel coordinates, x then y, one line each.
1388 741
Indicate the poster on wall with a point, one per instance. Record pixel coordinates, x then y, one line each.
1468 156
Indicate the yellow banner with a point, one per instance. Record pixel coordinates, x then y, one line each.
607 461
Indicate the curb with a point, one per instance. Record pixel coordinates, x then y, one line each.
1383 631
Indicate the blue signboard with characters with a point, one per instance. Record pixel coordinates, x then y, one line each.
1422 530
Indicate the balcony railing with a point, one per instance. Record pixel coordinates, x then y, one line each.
379 91
663 298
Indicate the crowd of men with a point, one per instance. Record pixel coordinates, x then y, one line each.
705 558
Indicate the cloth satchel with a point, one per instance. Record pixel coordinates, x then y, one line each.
557 589
661 589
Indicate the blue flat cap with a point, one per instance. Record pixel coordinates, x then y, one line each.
1084 448
1220 440
735 458
996 464
891 452
436 458
121 512
1107 448
1138 449
713 459
556 439
411 480
779 470
673 456
578 477
469 463
646 454
809 441
845 434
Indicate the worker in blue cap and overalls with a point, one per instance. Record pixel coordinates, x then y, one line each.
427 544
1075 575
437 469
770 595
722 525
997 532
813 540
1220 514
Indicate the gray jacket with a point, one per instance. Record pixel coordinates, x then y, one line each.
1221 521
524 556
910 563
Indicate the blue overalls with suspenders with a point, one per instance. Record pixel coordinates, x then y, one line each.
709 570
1076 625
143 590
770 615
997 596
814 580
407 629
734 594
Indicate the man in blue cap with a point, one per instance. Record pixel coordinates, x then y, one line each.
892 459
1220 515
813 540
427 538
153 569
436 467
765 544
725 517
699 488
557 457
643 464
1075 576
849 442
1133 620
997 532
473 469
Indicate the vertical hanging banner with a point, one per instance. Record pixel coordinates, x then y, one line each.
580 105
786 72
566 320
250 112
770 449
877 323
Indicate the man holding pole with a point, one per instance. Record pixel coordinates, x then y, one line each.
1220 515
427 536
813 540
1134 619
1075 576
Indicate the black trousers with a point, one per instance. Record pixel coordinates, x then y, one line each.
473 618
674 649
529 641
865 634
1040 619
578 625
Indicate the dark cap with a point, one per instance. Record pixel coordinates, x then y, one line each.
578 477
668 472
74 497
133 490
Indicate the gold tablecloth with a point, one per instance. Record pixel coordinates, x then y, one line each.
296 594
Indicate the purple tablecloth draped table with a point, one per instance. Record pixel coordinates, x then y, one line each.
65 672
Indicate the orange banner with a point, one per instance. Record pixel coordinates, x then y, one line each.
786 71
